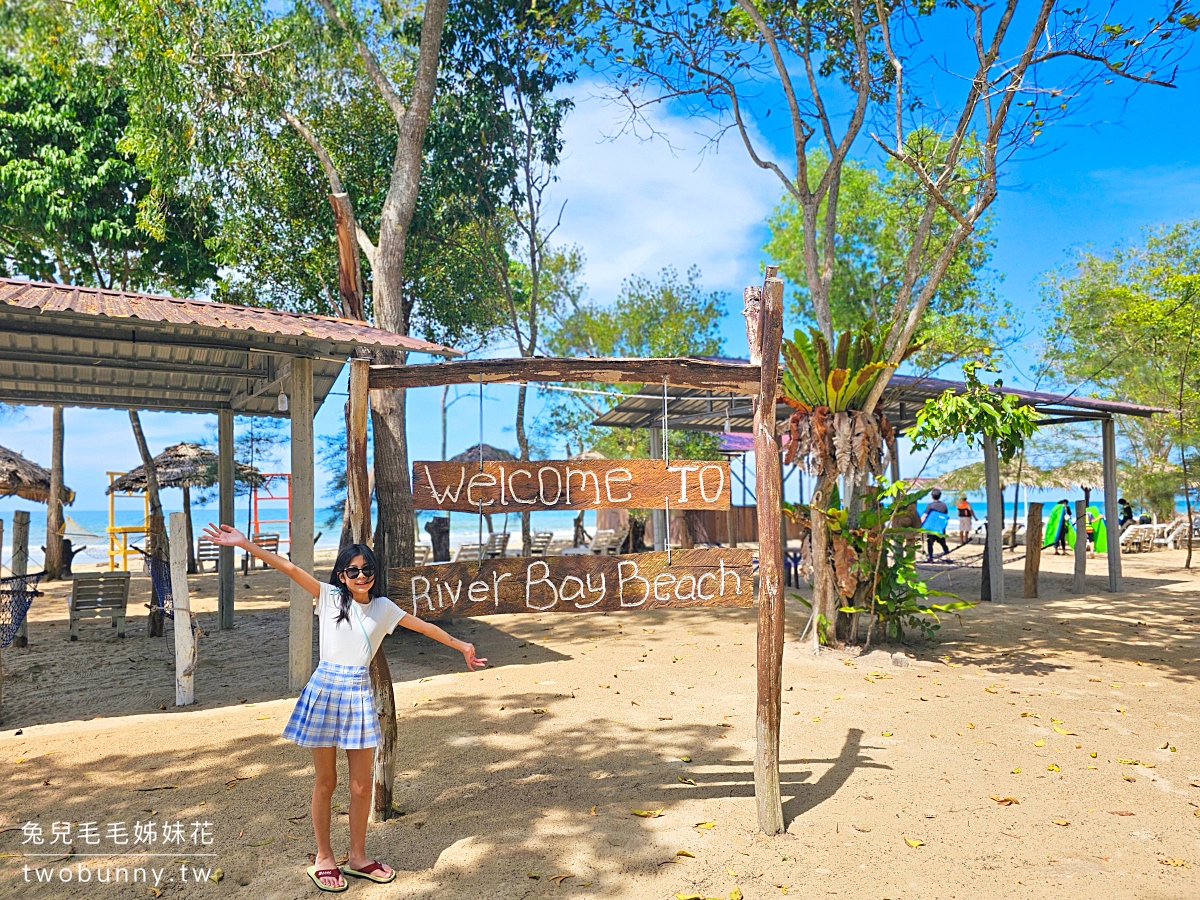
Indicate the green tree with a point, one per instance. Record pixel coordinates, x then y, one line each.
1127 327
69 193
878 210
668 316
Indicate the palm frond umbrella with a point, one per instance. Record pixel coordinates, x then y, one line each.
184 466
490 454
588 454
23 478
971 477
1085 474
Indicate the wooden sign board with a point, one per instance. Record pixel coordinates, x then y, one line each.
570 484
694 579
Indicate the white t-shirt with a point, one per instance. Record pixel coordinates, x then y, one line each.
355 641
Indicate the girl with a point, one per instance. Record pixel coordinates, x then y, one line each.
336 708
966 512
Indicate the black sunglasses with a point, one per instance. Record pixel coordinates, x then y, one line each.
354 571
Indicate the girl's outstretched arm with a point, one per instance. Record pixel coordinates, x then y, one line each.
228 536
412 623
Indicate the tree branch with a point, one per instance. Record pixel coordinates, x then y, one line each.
382 83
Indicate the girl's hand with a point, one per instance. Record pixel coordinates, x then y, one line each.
473 661
225 536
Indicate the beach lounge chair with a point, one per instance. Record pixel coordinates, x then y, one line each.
616 541
267 542
1169 535
497 544
207 552
421 554
540 543
99 594
1137 538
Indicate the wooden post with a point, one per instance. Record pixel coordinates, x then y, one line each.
1 654
225 573
658 517
300 618
185 636
1080 583
769 335
53 564
995 519
1108 436
894 462
1033 549
358 478
20 566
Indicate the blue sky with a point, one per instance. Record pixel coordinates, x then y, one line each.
635 206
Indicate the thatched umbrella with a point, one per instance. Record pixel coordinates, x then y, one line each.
971 477
184 466
25 479
490 454
1085 474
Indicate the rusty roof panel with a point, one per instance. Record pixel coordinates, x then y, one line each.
44 297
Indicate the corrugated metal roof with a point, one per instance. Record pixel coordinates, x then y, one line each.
708 411
110 304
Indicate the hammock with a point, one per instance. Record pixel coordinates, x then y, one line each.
16 595
160 576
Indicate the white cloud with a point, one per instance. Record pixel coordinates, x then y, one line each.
637 205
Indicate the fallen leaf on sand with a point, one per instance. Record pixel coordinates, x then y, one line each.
261 843
648 813
1039 743
705 825
1006 801
1129 778
216 876
1017 770
1119 812
686 853
887 734
690 781
592 812
913 842
1177 863
1029 714
539 711
991 690
861 828
1054 767
688 897
534 875
559 879
729 871
735 894
686 758
1062 730
155 891
1063 822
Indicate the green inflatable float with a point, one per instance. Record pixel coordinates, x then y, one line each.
1054 523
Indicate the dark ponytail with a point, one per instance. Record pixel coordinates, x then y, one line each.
344 557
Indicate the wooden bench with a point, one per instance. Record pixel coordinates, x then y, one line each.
99 594
207 552
267 542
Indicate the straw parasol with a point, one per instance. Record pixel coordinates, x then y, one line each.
589 455
971 477
490 454
25 479
184 466
1085 474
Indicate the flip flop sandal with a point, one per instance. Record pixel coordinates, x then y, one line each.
369 872
317 874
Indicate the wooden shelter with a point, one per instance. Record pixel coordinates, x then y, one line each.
77 346
20 477
726 410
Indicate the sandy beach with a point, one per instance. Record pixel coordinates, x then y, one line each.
1040 748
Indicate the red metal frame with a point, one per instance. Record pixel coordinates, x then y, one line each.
263 492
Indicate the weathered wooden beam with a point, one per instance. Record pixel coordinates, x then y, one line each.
300 544
995 518
358 477
570 484
185 637
1080 581
681 579
19 565
700 374
225 486
1108 438
1033 550
769 334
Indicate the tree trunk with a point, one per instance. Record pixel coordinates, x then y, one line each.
523 447
824 600
54 506
156 537
192 569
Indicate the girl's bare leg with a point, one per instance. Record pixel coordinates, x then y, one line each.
325 763
361 764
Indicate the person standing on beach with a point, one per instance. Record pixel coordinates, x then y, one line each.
1064 528
937 516
966 513
336 709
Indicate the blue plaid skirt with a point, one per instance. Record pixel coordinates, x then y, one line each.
335 709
